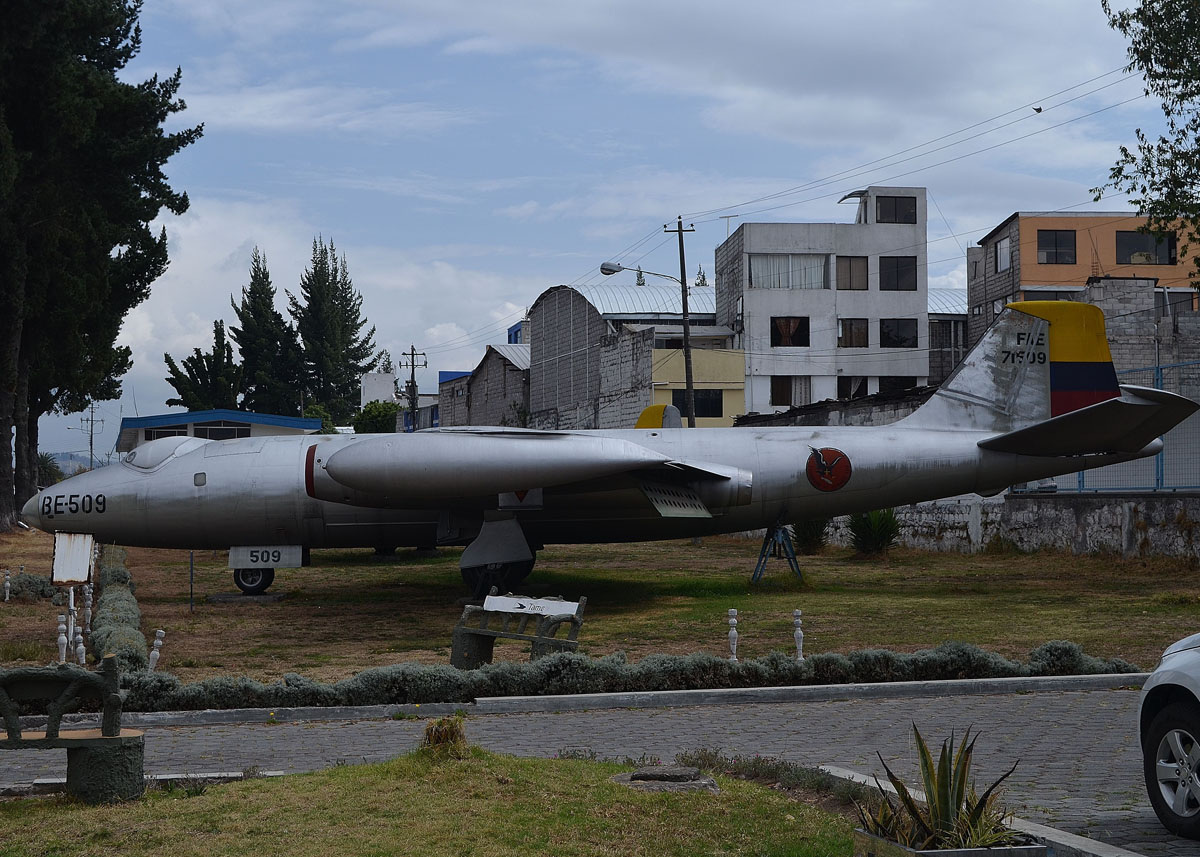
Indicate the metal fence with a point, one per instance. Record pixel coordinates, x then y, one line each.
1176 468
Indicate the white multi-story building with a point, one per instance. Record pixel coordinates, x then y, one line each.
829 310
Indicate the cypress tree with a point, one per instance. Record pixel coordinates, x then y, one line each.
270 352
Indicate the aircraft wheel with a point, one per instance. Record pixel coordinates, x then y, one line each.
253 581
502 575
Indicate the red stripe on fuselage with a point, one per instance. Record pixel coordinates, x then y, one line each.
309 460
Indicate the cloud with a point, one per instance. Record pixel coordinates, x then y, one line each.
316 110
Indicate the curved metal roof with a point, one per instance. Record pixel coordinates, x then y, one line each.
649 300
947 301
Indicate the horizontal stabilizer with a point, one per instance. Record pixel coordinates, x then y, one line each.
1125 424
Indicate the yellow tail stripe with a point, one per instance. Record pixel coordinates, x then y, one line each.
1076 330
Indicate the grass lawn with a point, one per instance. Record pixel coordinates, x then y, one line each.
352 610
421 804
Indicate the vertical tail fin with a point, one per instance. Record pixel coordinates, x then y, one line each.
1039 360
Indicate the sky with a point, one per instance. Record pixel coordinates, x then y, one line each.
466 155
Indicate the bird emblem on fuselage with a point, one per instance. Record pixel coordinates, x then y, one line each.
828 469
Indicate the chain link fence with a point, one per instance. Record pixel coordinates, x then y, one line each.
1176 468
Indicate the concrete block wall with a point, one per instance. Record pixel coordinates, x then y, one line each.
626 377
1129 525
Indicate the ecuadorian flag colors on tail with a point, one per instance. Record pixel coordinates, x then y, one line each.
1081 370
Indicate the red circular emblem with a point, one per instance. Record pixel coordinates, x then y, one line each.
828 469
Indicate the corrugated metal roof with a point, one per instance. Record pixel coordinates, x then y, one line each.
516 354
948 301
651 299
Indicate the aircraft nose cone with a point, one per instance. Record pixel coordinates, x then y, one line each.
30 513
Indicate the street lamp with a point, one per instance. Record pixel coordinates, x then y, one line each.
689 399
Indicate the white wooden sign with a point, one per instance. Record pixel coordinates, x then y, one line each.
265 556
542 606
72 558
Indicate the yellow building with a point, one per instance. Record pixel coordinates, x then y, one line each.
718 380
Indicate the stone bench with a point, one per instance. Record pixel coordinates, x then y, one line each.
511 617
103 765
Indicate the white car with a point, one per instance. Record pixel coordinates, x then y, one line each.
1170 733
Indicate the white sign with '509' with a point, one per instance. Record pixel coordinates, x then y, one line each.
265 556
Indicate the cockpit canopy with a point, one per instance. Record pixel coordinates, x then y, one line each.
154 453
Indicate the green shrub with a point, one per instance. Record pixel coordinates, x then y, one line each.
879 665
874 532
128 645
956 660
830 668
446 736
1061 657
810 537
27 587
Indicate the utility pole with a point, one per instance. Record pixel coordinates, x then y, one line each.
409 359
690 391
88 424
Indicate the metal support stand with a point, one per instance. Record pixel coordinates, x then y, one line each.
777 540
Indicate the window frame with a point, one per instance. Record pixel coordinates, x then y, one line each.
856 272
845 327
1167 245
898 213
914 339
1051 249
894 272
704 401
1003 251
777 335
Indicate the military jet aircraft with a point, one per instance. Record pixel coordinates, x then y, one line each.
1038 397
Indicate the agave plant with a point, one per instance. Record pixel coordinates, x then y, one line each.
874 532
953 815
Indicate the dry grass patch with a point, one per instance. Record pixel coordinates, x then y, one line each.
421 804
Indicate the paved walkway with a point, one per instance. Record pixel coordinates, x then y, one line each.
1080 768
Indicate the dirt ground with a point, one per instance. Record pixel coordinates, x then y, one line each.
351 609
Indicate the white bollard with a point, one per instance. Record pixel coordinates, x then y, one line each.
798 636
71 616
80 650
156 652
7 584
87 609
62 638
733 635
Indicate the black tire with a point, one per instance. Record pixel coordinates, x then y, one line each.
1171 765
502 575
253 581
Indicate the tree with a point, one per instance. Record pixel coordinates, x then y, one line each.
376 418
81 179
641 278
385 362
328 318
701 280
1162 176
207 380
268 346
49 473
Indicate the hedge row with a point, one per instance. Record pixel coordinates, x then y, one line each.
117 621
567 673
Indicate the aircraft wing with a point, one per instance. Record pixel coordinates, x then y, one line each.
430 467
1127 423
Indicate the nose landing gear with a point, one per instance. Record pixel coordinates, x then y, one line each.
253 581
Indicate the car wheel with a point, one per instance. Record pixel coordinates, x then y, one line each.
1171 754
253 581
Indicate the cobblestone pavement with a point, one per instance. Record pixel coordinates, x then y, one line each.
1079 771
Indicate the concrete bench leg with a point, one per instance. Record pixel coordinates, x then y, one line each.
107 773
470 651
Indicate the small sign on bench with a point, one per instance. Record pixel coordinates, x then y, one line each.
511 617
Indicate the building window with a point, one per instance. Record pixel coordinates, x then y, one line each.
897 333
895 209
852 333
1056 246
709 403
165 431
1003 254
789 331
896 383
897 273
1142 248
1172 301
222 430
852 387
780 271
852 273
1050 294
781 390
